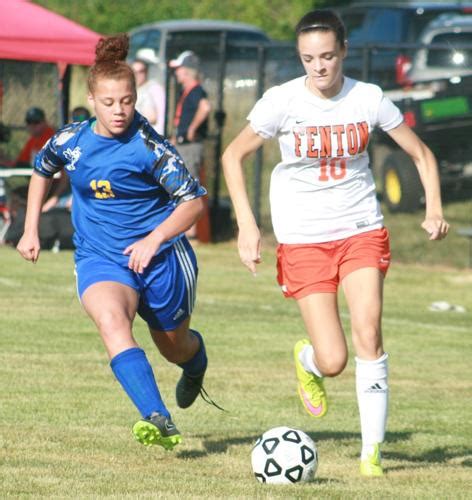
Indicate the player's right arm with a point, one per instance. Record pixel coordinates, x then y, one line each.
29 245
249 238
47 162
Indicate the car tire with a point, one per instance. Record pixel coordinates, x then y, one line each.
402 190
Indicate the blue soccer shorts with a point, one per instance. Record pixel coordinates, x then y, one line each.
166 289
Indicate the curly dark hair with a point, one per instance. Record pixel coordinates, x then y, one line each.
110 61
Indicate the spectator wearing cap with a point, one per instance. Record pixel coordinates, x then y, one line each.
80 114
40 132
151 101
191 115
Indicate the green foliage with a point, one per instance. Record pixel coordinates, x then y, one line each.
277 17
66 424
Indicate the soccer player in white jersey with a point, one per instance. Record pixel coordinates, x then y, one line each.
326 217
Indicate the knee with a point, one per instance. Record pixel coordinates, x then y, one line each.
332 365
367 341
110 323
171 354
178 349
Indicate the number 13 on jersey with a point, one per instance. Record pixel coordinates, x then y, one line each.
102 189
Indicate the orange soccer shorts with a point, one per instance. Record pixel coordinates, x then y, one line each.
320 267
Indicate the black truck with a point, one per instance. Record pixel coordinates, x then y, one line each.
384 40
440 112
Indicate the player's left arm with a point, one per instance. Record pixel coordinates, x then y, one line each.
434 224
184 216
186 192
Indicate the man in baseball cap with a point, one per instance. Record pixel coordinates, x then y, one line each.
187 59
190 124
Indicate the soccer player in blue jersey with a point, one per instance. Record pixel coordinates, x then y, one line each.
133 200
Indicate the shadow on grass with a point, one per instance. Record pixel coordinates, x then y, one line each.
391 437
438 455
217 446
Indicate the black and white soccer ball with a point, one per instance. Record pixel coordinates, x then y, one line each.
283 455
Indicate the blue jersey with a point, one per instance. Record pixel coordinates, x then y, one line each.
123 187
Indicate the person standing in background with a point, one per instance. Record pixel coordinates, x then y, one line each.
191 116
151 100
40 131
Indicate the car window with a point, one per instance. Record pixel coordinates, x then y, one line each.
353 21
154 40
455 56
246 36
136 42
385 25
204 43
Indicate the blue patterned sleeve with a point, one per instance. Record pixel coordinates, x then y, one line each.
49 160
170 172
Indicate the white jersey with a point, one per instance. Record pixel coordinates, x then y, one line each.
323 189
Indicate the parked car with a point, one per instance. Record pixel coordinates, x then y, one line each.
452 56
161 41
380 34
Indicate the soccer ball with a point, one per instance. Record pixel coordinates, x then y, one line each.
283 455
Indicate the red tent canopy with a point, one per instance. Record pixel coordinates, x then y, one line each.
29 32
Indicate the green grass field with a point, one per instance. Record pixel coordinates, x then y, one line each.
66 424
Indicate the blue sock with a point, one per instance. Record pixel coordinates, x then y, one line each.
197 365
133 371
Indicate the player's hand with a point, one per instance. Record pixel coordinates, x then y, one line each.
249 246
436 227
29 247
140 253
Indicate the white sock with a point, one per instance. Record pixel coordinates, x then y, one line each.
307 360
372 399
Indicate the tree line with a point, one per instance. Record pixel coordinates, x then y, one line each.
277 17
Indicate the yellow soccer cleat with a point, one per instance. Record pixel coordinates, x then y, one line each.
310 386
157 429
370 466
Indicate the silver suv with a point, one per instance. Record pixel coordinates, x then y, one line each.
449 51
